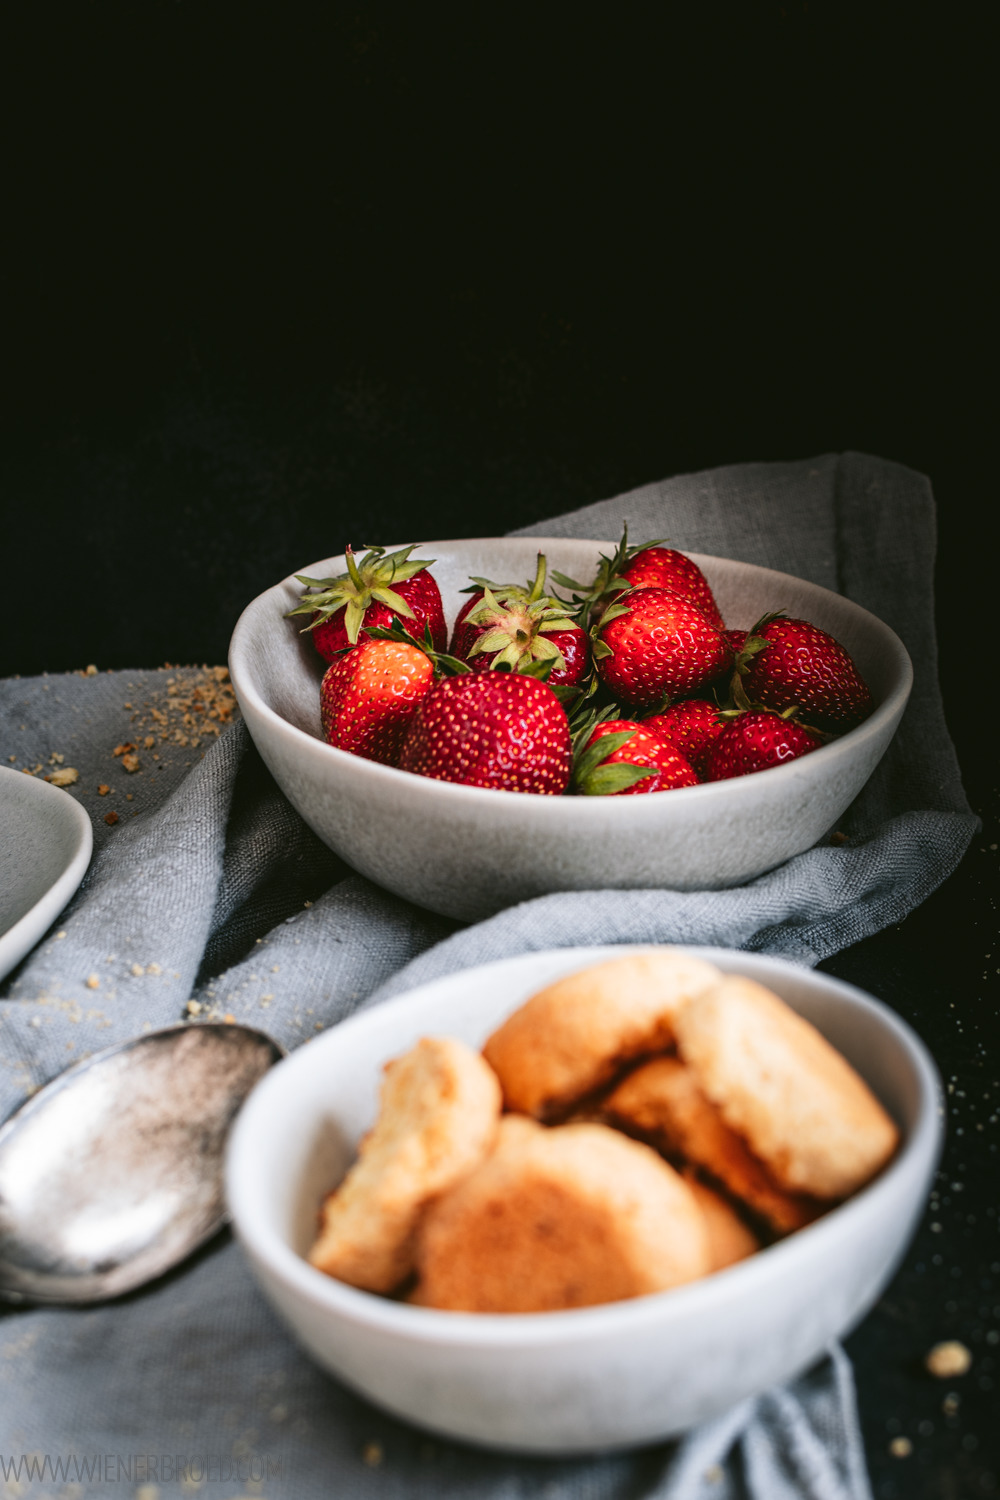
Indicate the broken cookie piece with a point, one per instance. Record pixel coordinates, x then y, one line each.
438 1118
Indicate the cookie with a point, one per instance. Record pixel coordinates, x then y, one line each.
560 1217
799 1105
438 1117
575 1035
729 1238
662 1103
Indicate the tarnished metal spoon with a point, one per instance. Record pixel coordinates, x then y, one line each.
113 1172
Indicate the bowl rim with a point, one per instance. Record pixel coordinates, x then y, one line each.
707 1296
72 819
249 696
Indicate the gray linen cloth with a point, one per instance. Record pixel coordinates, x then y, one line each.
210 888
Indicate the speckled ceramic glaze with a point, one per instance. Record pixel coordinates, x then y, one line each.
468 852
45 847
612 1376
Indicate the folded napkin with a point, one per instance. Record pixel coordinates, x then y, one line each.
207 895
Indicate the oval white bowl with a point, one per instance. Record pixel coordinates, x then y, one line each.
45 846
612 1376
468 852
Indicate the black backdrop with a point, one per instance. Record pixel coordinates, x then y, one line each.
288 276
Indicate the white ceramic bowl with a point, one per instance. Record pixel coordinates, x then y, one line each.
45 847
618 1375
468 852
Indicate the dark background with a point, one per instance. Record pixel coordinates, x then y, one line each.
286 277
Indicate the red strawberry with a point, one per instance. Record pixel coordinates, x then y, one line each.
651 644
492 729
785 662
515 626
632 746
382 585
571 648
368 697
692 726
755 741
463 635
663 568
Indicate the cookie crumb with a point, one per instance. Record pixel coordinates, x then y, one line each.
64 777
193 1008
93 981
131 763
901 1447
111 818
103 790
948 1360
90 671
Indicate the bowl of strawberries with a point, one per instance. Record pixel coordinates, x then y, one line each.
477 722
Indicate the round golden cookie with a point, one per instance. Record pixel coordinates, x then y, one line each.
559 1217
439 1112
798 1104
729 1239
662 1103
573 1036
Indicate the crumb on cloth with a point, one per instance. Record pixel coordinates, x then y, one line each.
948 1359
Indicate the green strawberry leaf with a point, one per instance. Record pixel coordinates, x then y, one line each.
394 601
607 780
541 669
596 751
354 616
317 583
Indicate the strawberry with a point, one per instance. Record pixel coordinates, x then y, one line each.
464 635
492 729
692 726
662 567
514 626
517 635
590 598
382 585
756 740
649 565
368 697
785 662
630 747
650 644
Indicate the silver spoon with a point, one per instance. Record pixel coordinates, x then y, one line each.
112 1173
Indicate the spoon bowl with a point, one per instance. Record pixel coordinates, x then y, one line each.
113 1172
